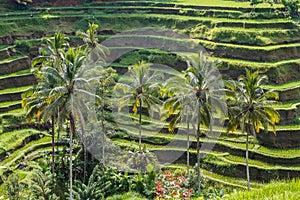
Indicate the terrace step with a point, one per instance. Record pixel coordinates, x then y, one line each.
12 94
8 106
11 97
17 81
224 180
251 37
170 5
253 53
6 52
233 148
14 64
211 162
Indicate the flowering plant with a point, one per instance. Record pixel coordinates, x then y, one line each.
170 186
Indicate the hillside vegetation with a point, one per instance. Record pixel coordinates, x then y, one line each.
236 34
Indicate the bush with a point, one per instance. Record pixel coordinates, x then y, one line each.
291 6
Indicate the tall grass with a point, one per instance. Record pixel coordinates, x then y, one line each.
285 190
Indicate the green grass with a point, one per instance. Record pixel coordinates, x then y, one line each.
248 36
12 59
283 190
4 47
226 180
14 90
237 144
20 153
290 105
16 112
7 104
11 140
283 87
222 3
18 73
258 164
125 196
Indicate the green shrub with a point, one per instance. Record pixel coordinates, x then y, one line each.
291 6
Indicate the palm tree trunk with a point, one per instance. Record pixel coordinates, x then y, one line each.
247 165
187 147
84 155
140 127
198 151
58 129
83 149
72 131
52 143
103 142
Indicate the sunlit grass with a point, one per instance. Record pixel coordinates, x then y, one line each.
276 191
14 90
18 73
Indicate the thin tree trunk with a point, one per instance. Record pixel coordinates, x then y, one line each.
83 149
247 165
72 131
58 129
103 141
84 156
140 127
198 160
187 147
52 143
198 151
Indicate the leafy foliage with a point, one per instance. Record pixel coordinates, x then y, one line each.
42 185
291 6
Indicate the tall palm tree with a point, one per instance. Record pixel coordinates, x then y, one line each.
200 89
140 87
179 106
34 100
66 93
250 107
96 54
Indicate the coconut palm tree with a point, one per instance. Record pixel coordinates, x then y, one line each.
140 87
34 100
96 54
179 106
250 107
200 91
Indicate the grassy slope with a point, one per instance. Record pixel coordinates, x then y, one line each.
275 191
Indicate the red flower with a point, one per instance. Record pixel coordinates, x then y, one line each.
167 173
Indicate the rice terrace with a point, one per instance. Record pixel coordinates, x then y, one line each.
149 99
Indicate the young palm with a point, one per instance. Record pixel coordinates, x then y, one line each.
140 88
96 51
201 91
250 108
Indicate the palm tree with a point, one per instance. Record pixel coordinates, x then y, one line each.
96 53
179 106
200 90
67 93
34 101
250 107
140 88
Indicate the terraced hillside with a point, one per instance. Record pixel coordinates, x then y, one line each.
265 40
